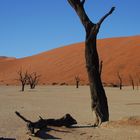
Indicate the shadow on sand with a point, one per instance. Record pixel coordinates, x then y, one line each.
1 138
42 134
45 136
83 126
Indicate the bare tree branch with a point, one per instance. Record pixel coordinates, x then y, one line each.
40 124
33 79
22 78
78 7
83 2
106 15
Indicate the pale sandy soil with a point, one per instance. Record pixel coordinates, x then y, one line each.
56 101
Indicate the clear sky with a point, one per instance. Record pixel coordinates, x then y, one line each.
29 27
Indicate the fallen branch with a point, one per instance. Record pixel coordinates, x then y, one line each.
66 121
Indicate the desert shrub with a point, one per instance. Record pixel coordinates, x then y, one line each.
54 83
63 84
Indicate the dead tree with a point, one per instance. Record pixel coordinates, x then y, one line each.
77 79
137 81
22 78
66 121
132 81
137 84
98 97
33 79
120 80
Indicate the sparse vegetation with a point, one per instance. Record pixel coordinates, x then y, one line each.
55 83
23 77
137 81
77 79
26 78
132 81
62 84
33 79
120 80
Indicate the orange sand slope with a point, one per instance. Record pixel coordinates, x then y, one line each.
61 65
4 58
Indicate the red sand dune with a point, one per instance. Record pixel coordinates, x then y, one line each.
61 65
4 58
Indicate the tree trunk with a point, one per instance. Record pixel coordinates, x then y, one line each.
77 84
120 81
22 87
101 67
32 86
132 82
120 86
98 98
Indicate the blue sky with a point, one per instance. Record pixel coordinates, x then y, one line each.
28 27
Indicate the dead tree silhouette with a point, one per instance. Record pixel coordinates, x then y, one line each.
120 80
132 81
22 78
77 79
66 121
98 97
137 80
33 79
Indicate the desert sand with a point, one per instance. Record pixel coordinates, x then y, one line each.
56 101
118 55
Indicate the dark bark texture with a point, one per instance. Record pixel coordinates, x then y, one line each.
120 80
33 79
98 98
101 67
77 79
22 79
132 81
66 121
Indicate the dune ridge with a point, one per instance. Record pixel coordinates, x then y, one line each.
61 65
